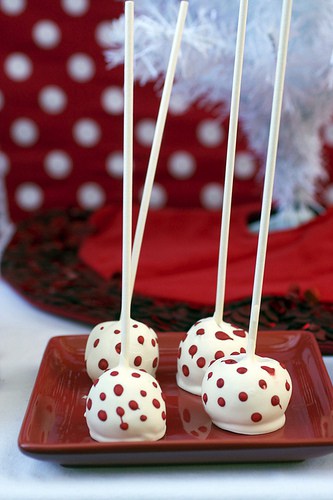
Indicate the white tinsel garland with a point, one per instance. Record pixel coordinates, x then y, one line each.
204 74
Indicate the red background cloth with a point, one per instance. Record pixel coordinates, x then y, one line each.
53 76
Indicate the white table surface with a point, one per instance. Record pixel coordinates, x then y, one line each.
24 333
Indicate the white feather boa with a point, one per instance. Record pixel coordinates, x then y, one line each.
204 73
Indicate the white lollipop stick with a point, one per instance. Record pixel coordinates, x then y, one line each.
127 180
230 162
157 140
269 174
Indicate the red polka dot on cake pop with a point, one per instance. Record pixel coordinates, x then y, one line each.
269 370
117 332
124 426
155 385
89 404
242 396
96 343
185 370
136 375
230 361
120 411
287 386
205 398
143 418
118 348
262 384
210 374
103 364
143 393
114 373
137 361
153 342
219 354
141 340
118 390
221 402
102 415
193 350
133 405
201 362
155 362
163 414
156 403
240 333
275 401
179 353
220 383
135 326
222 336
102 396
241 370
256 417
201 331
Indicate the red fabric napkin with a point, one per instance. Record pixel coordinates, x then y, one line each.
180 253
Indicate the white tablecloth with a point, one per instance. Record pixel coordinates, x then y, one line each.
24 333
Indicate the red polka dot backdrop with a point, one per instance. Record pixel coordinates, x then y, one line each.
61 119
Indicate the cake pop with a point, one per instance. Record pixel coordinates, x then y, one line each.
124 403
212 338
103 344
247 393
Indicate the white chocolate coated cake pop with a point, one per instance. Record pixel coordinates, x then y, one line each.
205 342
104 346
247 395
125 404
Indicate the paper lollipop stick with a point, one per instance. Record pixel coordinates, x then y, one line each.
157 140
269 174
230 162
127 179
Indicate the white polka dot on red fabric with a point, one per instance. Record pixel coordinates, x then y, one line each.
81 67
13 7
177 105
112 100
158 198
211 196
46 34
328 134
181 165
144 131
58 164
210 133
24 132
18 66
115 164
52 99
103 34
75 7
29 196
245 166
86 132
91 196
4 164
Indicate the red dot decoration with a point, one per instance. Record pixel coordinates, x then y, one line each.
222 336
118 389
205 398
163 415
117 332
275 401
201 331
185 370
114 373
153 342
241 370
201 362
124 426
242 350
143 418
221 402
141 339
156 403
120 411
256 417
96 342
102 396
230 361
89 404
193 350
220 383
143 393
135 375
179 353
137 361
219 354
103 364
135 326
262 384
155 362
133 405
269 370
155 385
242 396
102 415
210 374
287 386
240 333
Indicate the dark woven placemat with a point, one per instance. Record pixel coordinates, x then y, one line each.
42 264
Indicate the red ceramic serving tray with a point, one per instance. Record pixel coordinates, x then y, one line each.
54 426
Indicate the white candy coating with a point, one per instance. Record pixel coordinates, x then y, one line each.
125 404
205 342
247 395
104 345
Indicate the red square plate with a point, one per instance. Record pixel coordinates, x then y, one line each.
54 426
